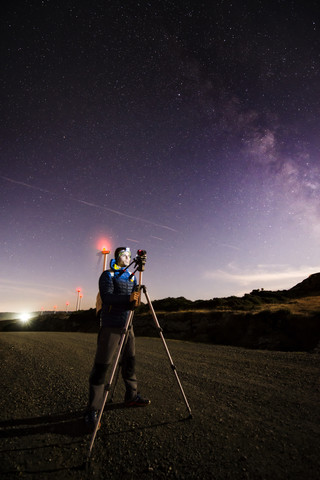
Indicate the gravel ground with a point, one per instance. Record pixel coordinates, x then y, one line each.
255 413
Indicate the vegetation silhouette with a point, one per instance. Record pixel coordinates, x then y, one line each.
277 320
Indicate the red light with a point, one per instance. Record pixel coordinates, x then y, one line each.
102 245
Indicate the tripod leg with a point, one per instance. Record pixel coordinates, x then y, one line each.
113 372
166 348
119 367
115 383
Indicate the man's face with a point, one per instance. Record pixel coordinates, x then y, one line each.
124 259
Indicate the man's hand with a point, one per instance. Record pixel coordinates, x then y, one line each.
134 297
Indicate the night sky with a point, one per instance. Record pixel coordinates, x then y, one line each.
189 129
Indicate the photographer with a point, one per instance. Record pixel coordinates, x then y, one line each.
117 291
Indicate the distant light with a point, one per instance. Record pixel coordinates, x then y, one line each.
103 244
25 317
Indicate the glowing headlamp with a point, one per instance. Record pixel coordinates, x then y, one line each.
126 250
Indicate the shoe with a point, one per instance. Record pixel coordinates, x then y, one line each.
91 418
137 401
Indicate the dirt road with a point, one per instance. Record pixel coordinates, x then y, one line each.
255 413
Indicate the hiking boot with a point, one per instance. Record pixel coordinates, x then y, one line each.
91 418
137 401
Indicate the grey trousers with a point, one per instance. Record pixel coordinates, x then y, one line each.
107 345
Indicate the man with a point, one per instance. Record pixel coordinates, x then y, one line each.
118 296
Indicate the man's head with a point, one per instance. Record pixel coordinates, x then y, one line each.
122 256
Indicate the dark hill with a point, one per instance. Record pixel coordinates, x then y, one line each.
308 287
261 319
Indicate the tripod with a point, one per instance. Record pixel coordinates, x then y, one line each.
122 344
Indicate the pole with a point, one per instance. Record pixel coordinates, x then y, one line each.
78 298
105 253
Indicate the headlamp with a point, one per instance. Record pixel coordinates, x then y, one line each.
126 250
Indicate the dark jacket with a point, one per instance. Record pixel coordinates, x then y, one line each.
115 287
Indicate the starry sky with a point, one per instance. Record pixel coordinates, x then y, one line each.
186 128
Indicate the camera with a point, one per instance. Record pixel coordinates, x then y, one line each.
140 259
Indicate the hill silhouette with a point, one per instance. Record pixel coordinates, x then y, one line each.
308 287
276 320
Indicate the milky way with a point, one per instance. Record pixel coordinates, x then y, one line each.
189 129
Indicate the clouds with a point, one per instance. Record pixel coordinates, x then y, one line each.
270 276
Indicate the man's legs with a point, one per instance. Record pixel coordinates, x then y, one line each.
132 398
128 367
108 340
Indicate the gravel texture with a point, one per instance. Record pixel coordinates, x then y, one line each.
255 413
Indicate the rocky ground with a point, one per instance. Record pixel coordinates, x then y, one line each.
255 413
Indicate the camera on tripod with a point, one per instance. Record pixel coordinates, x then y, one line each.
140 260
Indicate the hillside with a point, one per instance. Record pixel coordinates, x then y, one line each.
287 320
308 287
255 413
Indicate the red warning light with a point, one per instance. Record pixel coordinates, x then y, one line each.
103 245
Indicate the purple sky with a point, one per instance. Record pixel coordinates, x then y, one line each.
189 129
